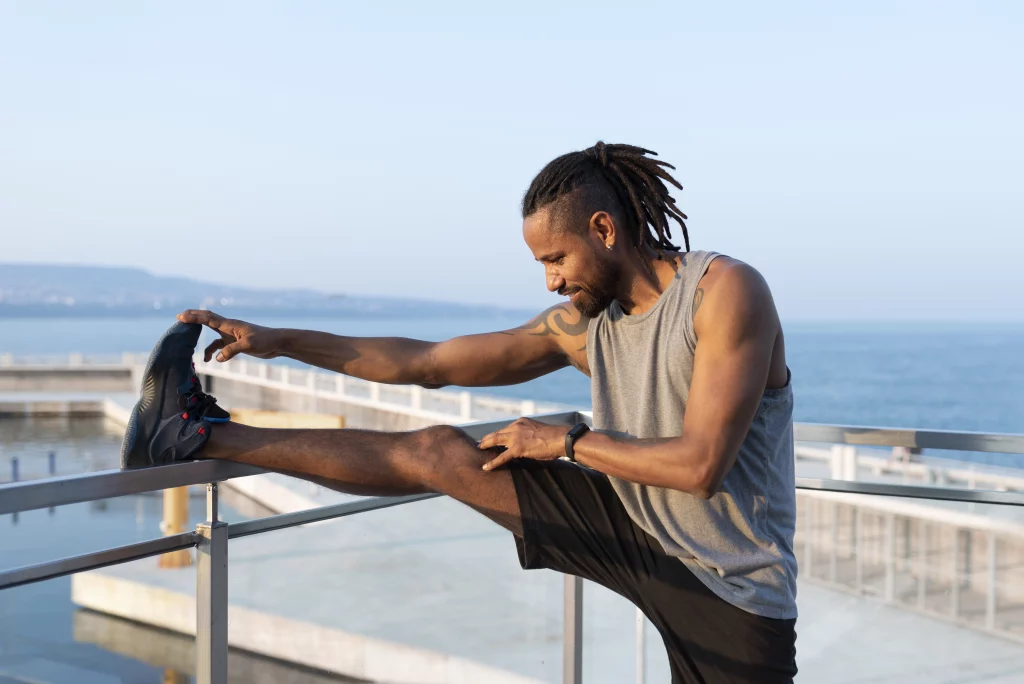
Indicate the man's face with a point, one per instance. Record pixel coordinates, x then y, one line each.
576 265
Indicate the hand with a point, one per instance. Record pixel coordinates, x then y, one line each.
236 337
526 438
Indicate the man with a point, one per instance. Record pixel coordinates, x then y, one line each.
682 499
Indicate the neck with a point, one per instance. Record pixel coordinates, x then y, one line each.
646 278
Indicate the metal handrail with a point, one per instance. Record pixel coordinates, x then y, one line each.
910 438
62 567
983 496
946 440
106 484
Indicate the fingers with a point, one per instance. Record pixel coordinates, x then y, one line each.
230 350
492 440
214 346
501 460
487 442
207 318
496 440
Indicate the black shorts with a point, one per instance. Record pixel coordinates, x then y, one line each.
574 522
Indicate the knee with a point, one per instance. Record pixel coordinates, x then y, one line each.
443 449
444 441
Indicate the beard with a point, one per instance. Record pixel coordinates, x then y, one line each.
595 297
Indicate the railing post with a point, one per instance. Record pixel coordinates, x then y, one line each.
837 453
175 519
212 596
954 577
808 535
833 557
922 573
416 397
375 392
528 408
890 558
311 387
641 655
465 406
858 549
572 635
990 596
339 384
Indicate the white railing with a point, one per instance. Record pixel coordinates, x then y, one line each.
439 405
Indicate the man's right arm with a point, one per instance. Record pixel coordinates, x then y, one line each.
552 340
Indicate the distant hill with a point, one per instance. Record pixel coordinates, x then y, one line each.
48 290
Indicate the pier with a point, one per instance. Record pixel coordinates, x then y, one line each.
892 548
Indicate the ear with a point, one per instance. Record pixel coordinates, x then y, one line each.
602 228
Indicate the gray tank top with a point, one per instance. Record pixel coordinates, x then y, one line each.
740 541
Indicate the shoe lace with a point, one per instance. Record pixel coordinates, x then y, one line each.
196 402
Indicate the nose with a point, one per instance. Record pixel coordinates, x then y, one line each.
555 282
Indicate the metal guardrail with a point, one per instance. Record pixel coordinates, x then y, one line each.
909 438
211 537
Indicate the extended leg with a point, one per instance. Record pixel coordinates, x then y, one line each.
438 459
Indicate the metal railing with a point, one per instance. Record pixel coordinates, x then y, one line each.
211 537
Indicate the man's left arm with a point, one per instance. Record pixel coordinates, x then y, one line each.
737 328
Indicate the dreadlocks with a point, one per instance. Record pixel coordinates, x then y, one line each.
635 184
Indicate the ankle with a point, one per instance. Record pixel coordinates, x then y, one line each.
224 441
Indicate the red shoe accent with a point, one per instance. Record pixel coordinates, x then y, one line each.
185 416
202 431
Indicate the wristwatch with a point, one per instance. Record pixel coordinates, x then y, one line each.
575 433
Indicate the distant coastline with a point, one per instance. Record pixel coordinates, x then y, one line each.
38 291
409 311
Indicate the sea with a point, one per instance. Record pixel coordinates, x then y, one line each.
941 376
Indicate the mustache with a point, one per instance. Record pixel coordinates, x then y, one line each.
569 292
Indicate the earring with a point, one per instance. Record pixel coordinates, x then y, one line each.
609 247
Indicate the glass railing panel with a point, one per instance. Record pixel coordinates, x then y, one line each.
610 653
890 589
898 589
45 637
428 591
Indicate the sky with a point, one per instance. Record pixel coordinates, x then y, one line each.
865 157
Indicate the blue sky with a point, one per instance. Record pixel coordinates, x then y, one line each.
865 157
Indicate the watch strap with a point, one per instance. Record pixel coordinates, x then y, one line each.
574 434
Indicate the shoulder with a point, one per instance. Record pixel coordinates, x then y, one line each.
732 293
736 277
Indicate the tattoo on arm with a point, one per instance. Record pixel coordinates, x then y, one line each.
553 322
697 299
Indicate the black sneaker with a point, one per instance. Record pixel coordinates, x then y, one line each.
172 419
